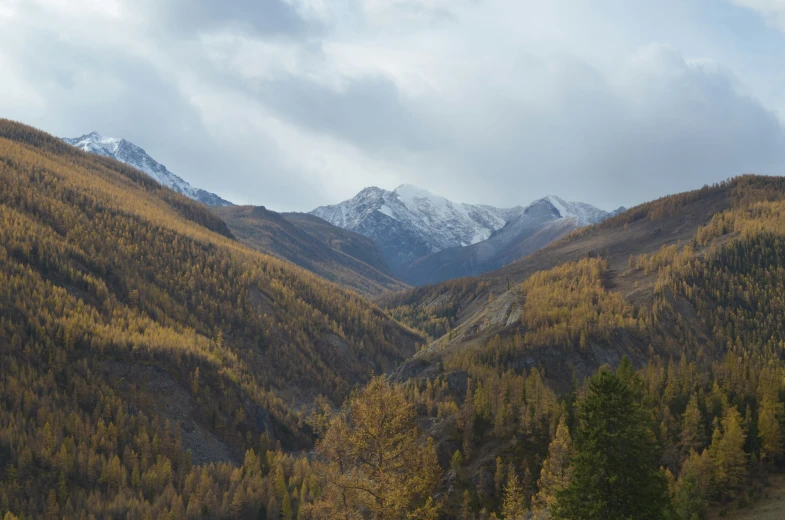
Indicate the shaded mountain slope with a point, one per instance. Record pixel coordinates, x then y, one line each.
409 222
348 242
538 226
335 254
104 269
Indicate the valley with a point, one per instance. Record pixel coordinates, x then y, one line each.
163 358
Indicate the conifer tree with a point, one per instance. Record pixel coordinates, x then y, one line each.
693 433
770 429
376 460
615 465
456 461
556 471
514 506
689 503
727 452
499 476
286 507
466 506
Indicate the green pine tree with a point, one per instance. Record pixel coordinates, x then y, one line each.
615 465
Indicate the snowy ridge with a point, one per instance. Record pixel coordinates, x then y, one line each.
409 223
585 213
438 221
128 153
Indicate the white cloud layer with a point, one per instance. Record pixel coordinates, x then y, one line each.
297 103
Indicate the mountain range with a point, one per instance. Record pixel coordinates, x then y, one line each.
156 364
427 238
418 236
128 153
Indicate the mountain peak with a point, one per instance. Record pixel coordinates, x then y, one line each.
128 153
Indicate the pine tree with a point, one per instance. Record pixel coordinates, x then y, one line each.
693 433
466 507
499 476
280 483
615 466
286 507
514 505
273 510
456 461
770 429
556 471
375 459
727 452
689 503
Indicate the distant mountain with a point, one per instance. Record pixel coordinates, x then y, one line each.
408 222
339 255
427 238
128 153
542 222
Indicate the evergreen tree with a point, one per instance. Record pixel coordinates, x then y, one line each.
466 507
456 461
375 459
615 473
770 429
727 452
693 433
556 471
514 506
689 502
286 507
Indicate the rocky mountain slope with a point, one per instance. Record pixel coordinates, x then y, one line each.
128 153
336 254
540 223
408 222
427 238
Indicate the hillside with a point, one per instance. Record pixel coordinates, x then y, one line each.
335 254
688 288
154 366
140 341
640 230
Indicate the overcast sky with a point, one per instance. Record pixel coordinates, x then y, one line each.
293 104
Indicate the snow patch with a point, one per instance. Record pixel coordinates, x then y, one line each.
128 153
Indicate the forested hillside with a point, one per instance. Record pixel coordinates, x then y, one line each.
155 367
133 328
338 255
701 319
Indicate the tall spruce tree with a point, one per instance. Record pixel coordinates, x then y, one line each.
615 472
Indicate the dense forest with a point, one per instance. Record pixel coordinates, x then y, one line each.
113 288
155 367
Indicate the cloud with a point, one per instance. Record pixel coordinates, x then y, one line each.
260 17
772 10
298 103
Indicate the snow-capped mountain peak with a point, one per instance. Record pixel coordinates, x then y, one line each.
585 213
132 155
410 222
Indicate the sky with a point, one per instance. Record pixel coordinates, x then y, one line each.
292 104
